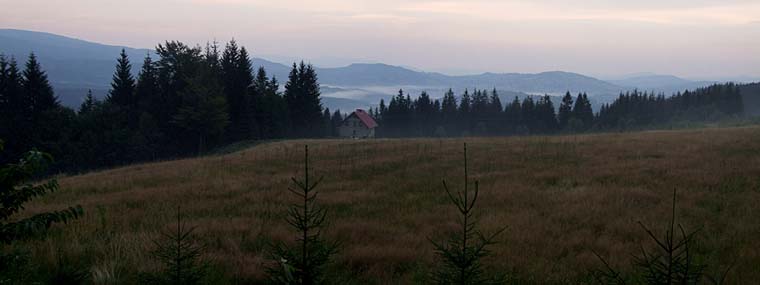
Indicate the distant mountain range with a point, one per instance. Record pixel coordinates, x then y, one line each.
74 66
659 83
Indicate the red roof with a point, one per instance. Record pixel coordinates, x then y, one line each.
368 121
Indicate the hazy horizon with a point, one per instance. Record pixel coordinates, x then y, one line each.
692 39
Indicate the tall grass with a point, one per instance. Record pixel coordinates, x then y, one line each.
560 195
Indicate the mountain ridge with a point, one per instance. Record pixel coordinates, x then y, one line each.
75 65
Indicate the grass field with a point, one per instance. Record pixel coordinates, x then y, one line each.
561 197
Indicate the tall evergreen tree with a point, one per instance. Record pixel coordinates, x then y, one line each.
583 113
495 103
5 111
513 115
465 112
123 84
14 116
302 95
88 105
237 78
146 90
336 120
37 90
528 114
565 110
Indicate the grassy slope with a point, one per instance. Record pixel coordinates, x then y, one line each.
560 196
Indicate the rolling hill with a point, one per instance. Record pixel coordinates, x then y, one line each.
75 65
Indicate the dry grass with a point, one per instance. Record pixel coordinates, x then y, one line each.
560 197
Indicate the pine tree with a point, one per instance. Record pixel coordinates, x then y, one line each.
15 120
4 108
180 253
327 123
123 84
312 101
6 112
146 91
337 120
304 263
449 105
88 105
513 115
461 255
270 108
546 115
528 114
465 112
565 110
237 79
495 103
38 93
582 114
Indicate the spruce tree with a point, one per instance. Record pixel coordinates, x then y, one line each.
123 84
302 95
337 120
237 79
146 91
88 105
565 110
495 103
449 105
304 263
513 115
582 114
6 113
465 112
528 114
16 122
461 254
180 253
38 93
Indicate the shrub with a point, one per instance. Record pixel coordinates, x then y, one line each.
17 188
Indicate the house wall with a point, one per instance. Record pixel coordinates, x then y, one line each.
353 128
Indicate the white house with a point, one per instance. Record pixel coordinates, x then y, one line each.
358 125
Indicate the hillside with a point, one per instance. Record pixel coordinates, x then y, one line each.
561 197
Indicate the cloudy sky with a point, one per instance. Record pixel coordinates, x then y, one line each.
692 38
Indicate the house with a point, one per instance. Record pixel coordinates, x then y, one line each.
358 125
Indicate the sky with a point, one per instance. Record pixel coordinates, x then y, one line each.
604 38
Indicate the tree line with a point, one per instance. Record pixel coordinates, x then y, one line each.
482 113
193 99
189 100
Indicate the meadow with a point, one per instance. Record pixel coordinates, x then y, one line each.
560 197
